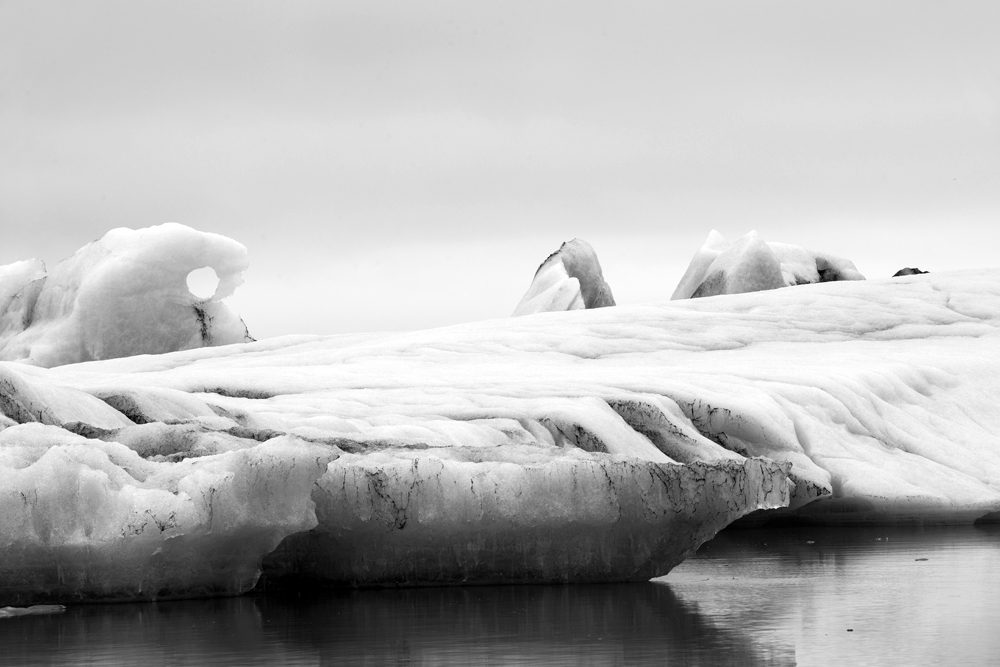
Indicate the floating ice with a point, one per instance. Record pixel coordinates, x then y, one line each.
499 515
569 279
752 265
84 519
122 295
34 610
602 445
116 504
879 394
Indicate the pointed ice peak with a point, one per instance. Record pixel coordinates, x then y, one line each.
568 279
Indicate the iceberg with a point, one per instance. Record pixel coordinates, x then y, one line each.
601 444
84 519
568 279
122 295
518 515
752 265
106 503
878 395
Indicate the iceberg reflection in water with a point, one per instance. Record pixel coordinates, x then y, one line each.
750 597
597 624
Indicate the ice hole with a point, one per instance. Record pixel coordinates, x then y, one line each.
203 282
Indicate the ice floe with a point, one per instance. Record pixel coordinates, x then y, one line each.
122 295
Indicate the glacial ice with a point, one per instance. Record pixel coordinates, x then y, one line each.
81 518
752 265
103 507
122 295
568 279
589 445
879 394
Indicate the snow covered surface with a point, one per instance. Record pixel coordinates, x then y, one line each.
753 265
121 295
536 448
568 279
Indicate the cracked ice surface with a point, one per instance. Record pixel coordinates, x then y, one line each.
539 448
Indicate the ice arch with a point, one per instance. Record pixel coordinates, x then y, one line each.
122 295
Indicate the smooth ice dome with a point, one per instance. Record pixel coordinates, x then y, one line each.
569 279
753 265
122 295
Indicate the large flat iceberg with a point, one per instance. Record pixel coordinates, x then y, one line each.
587 445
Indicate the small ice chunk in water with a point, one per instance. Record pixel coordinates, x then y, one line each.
34 610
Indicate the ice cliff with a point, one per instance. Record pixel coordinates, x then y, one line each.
122 295
568 279
752 265
590 445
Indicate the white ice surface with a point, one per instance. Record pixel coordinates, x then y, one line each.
880 395
124 294
882 391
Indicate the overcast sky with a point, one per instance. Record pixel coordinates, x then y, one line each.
401 165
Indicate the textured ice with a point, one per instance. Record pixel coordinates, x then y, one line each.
569 279
94 506
563 446
879 393
81 518
485 515
752 265
122 295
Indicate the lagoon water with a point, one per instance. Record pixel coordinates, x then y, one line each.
806 596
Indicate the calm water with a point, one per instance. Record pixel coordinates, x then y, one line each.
751 597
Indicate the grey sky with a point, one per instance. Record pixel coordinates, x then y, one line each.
405 165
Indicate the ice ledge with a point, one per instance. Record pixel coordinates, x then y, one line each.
403 520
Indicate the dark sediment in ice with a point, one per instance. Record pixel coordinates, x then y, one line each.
569 279
423 521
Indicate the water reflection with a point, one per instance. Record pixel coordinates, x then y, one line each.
909 596
530 625
748 598
513 625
